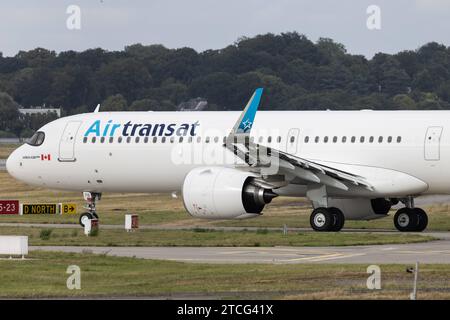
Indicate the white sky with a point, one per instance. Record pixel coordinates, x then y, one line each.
213 24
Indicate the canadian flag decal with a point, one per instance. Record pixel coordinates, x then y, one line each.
45 157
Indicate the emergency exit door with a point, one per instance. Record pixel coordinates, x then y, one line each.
433 143
67 143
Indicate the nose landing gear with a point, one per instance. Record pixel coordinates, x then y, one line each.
90 198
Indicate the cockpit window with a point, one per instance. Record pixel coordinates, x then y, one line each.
37 139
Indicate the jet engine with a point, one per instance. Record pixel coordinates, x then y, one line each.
361 208
223 193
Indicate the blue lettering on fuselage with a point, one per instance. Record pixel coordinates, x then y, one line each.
130 129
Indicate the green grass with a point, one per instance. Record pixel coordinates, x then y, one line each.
6 149
44 275
295 214
152 208
107 237
163 210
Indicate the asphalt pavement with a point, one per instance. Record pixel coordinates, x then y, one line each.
430 252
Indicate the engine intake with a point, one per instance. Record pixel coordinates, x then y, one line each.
223 193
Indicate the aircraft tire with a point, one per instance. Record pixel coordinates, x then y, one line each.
321 219
339 219
84 217
422 218
406 219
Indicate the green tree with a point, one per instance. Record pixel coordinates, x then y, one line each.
444 91
114 103
404 102
145 105
125 76
9 114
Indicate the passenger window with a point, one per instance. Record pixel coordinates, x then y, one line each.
380 139
306 139
119 140
190 139
137 140
163 140
37 139
207 140
344 139
102 139
292 139
353 139
172 139
146 140
128 139
260 139
199 139
316 139
84 140
335 139
111 139
269 139
93 139
399 139
155 139
216 139
325 139
180 140
389 140
361 139
371 139
279 139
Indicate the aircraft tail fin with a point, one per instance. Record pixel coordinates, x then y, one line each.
245 121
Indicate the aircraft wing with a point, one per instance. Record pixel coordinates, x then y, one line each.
259 157
270 161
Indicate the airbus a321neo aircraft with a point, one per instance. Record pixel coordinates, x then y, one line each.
350 164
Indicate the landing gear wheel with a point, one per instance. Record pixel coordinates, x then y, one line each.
339 219
91 198
422 219
85 218
406 220
321 219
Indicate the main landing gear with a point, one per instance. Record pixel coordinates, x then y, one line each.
410 219
327 219
90 198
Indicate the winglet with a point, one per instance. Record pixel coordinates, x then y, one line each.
245 121
97 108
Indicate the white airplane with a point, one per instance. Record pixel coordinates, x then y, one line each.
350 164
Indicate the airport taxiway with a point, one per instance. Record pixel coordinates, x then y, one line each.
428 252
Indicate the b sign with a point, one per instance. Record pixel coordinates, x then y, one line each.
68 208
9 207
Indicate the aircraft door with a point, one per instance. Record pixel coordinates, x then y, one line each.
432 143
292 141
67 143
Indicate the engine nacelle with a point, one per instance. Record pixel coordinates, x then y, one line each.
361 209
223 193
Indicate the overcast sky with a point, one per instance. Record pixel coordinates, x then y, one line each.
212 24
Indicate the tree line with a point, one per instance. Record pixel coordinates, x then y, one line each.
297 74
